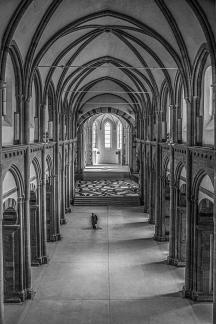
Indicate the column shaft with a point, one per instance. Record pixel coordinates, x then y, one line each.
43 206
172 209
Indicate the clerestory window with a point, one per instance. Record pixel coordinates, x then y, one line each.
208 102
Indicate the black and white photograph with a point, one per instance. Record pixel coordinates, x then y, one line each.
108 162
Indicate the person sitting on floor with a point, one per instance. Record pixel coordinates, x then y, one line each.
94 220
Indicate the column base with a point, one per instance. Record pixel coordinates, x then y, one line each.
55 237
36 262
186 293
30 293
160 238
151 221
16 299
197 295
45 259
20 296
175 262
63 221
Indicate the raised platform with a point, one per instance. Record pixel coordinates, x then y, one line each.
105 192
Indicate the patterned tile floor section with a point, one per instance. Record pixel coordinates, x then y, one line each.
106 188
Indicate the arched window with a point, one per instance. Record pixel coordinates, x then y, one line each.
184 117
94 135
119 136
107 135
207 90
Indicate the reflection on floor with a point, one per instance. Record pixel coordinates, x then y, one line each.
107 188
108 171
115 275
107 168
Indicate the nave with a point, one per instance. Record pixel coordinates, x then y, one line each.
114 275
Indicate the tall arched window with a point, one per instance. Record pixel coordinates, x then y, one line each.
184 117
119 136
208 103
94 135
107 135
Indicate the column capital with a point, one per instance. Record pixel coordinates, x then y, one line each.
20 199
3 84
172 107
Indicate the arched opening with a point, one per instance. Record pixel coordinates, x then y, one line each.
204 262
207 107
11 253
181 224
49 203
105 140
203 241
166 202
183 117
35 229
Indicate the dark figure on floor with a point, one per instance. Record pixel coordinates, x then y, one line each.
94 220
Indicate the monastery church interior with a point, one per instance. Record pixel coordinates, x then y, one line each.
108 107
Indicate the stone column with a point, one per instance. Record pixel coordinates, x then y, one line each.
27 240
192 292
159 232
197 122
149 191
43 205
69 176
20 209
40 234
141 175
62 218
150 127
67 187
172 123
19 102
56 181
172 209
43 123
2 84
72 174
145 193
188 267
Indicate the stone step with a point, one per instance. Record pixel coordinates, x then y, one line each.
108 175
104 201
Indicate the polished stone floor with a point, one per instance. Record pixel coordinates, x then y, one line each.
114 275
106 168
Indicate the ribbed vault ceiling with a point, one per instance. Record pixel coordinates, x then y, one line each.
102 53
